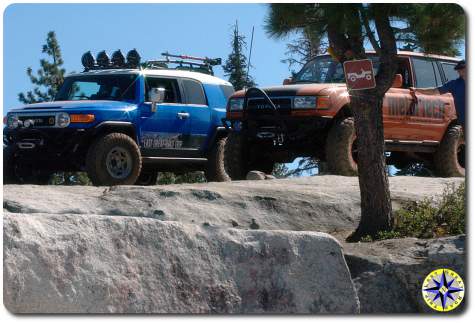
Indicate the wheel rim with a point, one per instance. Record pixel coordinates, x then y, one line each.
119 163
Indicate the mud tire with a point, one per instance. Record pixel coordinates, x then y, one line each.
97 154
449 160
340 141
215 168
147 178
235 157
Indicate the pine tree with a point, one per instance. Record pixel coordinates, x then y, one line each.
49 77
236 65
46 83
434 28
304 48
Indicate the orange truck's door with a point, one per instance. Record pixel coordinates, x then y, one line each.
396 106
427 118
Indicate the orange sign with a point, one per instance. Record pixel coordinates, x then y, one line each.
359 74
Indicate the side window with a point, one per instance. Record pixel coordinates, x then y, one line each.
404 70
450 73
228 90
424 70
194 92
172 92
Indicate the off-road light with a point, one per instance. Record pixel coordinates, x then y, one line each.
28 123
103 59
305 102
118 59
133 58
13 121
236 104
63 120
88 60
82 118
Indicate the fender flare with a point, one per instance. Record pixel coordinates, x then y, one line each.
125 127
219 132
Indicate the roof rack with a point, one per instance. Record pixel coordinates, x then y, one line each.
185 62
118 61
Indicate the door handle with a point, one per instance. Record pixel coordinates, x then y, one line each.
183 115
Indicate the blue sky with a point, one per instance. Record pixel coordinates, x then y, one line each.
193 29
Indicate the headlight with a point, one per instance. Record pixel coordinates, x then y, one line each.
305 102
63 120
236 104
12 121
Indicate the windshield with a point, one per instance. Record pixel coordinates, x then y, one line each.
98 87
324 69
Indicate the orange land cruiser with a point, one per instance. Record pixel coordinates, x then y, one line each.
309 116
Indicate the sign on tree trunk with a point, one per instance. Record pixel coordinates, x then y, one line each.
359 74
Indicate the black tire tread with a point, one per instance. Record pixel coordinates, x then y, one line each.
149 175
215 169
445 159
338 148
234 159
97 153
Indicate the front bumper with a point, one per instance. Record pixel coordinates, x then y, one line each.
58 148
270 127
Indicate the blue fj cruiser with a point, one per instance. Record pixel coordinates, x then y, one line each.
122 121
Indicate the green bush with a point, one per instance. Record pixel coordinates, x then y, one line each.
429 218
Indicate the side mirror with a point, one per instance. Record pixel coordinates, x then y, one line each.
287 81
397 82
156 96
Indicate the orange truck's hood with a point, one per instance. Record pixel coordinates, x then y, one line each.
300 89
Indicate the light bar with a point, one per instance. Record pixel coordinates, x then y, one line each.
88 60
118 59
103 59
133 58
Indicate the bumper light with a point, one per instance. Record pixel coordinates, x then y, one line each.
323 102
82 118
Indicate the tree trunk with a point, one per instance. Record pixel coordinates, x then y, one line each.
376 213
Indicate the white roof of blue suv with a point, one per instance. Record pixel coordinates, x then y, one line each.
203 78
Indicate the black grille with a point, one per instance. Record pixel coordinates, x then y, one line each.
260 106
40 121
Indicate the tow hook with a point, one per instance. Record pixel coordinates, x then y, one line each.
26 145
265 135
280 139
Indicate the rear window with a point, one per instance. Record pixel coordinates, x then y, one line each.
228 90
194 92
450 73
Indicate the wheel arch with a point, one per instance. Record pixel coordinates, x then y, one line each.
107 127
218 133
343 112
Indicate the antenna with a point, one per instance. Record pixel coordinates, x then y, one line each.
250 53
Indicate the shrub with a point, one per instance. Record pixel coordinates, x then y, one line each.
429 218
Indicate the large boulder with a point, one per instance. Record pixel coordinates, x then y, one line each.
116 264
319 203
388 275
